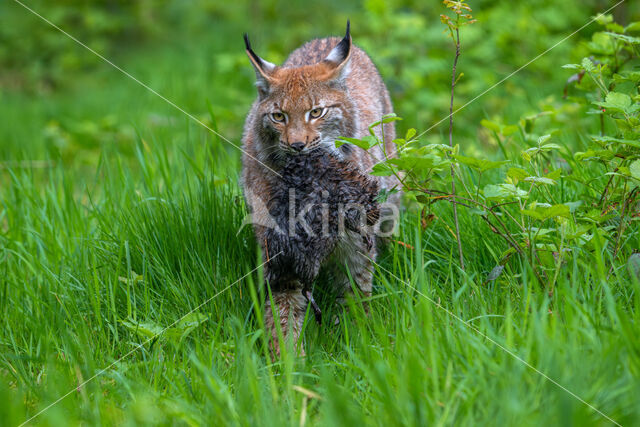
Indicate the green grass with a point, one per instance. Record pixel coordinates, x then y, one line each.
72 251
133 219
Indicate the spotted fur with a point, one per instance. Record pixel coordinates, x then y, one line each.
339 78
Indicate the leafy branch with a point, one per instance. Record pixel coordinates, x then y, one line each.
549 203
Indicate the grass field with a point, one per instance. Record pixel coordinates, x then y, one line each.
120 217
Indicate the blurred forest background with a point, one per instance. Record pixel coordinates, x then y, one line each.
192 53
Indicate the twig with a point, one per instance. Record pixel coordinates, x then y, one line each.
453 181
606 189
626 201
505 234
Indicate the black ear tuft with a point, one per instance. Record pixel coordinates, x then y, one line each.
263 68
259 62
341 52
345 44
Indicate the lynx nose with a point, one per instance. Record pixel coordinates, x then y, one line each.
298 146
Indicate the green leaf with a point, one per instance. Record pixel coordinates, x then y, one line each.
509 129
596 216
540 180
381 169
621 100
504 256
601 44
604 140
541 148
384 194
555 174
177 332
191 320
187 324
543 139
587 64
634 169
624 38
616 102
603 18
410 134
135 278
477 211
490 125
517 174
388 118
532 214
627 76
481 165
633 27
506 130
420 198
573 206
143 329
441 147
543 213
633 143
364 143
594 155
622 171
616 28
495 273
503 191
418 163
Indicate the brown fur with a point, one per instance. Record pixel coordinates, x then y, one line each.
333 74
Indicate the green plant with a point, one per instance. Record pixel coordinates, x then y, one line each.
549 204
462 16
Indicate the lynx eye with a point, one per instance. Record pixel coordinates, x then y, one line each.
278 117
316 113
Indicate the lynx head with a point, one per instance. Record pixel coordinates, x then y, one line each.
306 107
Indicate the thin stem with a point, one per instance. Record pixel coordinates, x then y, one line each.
453 182
625 203
505 211
558 265
506 235
461 178
605 192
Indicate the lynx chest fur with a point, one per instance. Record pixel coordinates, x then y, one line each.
325 90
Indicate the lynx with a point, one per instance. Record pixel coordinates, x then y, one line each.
326 89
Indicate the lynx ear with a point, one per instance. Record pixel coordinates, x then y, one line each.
338 59
264 69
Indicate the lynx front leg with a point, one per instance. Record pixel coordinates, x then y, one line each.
290 306
359 266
